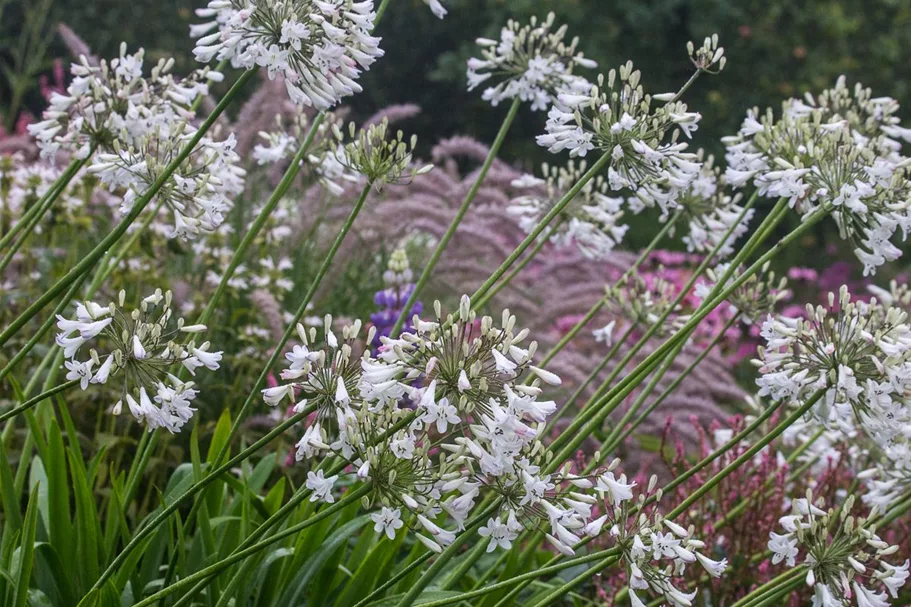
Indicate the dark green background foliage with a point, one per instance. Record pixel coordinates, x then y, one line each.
776 48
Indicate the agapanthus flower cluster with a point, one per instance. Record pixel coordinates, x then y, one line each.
643 299
398 285
590 221
654 550
532 63
755 299
22 184
198 194
439 415
710 211
323 155
618 117
137 126
113 102
319 47
835 153
846 561
858 353
382 158
140 346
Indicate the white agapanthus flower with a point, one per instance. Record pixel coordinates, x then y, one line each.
654 549
140 347
137 126
605 334
319 47
529 62
859 353
619 118
439 416
113 102
839 153
198 195
437 8
589 221
710 211
845 560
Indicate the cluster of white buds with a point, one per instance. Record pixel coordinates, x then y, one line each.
858 353
532 61
710 211
377 155
112 102
643 301
835 153
755 299
319 47
590 220
843 555
654 550
618 117
709 57
141 347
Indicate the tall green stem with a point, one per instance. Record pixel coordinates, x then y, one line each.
601 556
418 587
102 247
604 411
744 457
771 586
158 520
545 221
596 307
299 313
519 267
625 386
596 371
257 226
621 431
460 214
37 399
194 489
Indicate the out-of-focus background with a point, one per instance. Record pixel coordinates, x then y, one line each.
776 49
